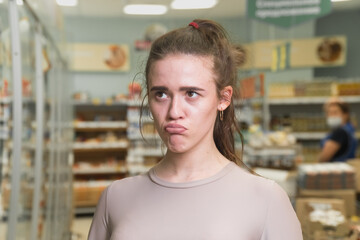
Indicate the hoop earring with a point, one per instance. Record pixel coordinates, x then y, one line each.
221 115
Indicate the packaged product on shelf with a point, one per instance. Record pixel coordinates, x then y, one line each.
281 90
271 150
27 88
134 90
355 163
300 122
120 97
319 88
110 165
87 193
348 195
322 217
325 87
348 89
81 96
326 176
4 89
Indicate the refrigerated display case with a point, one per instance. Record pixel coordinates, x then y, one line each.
35 129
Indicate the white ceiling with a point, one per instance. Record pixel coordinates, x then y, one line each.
225 8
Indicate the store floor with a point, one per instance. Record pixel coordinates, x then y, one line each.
81 226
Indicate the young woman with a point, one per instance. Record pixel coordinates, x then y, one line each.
197 191
340 144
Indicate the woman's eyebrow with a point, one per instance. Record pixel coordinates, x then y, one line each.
158 88
190 88
187 88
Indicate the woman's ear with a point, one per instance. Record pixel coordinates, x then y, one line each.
225 98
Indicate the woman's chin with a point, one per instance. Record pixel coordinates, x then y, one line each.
176 147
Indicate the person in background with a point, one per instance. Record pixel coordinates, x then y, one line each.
340 144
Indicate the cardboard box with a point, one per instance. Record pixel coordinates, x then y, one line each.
355 163
315 230
341 232
348 195
304 206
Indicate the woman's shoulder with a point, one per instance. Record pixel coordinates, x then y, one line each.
129 183
245 174
261 187
255 182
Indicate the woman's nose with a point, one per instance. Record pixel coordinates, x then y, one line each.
175 109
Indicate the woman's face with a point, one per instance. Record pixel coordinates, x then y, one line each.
335 111
183 100
335 116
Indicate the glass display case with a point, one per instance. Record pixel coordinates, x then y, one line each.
35 129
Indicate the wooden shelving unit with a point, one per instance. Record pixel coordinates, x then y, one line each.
305 116
100 150
108 146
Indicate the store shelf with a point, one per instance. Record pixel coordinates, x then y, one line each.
309 135
100 103
314 135
8 100
274 150
3 119
5 100
124 102
146 136
144 119
310 100
90 126
85 210
135 169
47 146
96 147
136 103
99 171
149 152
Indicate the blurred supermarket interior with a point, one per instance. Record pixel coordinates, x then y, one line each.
71 84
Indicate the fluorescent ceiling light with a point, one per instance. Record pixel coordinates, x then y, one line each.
340 0
193 4
67 3
145 9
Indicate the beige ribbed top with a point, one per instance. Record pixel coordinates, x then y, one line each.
232 204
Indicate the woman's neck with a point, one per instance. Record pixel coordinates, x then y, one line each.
198 163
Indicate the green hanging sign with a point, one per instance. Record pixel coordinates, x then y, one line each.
286 13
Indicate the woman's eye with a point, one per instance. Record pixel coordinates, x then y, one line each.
160 95
192 94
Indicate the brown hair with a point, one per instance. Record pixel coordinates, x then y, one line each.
207 38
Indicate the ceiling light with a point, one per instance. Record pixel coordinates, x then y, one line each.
67 3
193 4
145 9
19 2
340 0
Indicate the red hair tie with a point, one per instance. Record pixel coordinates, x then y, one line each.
194 24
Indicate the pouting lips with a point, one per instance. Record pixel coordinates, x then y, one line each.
174 128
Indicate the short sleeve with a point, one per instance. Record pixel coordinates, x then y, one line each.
99 229
281 221
339 135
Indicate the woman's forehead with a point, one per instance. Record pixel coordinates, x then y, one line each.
182 69
333 108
